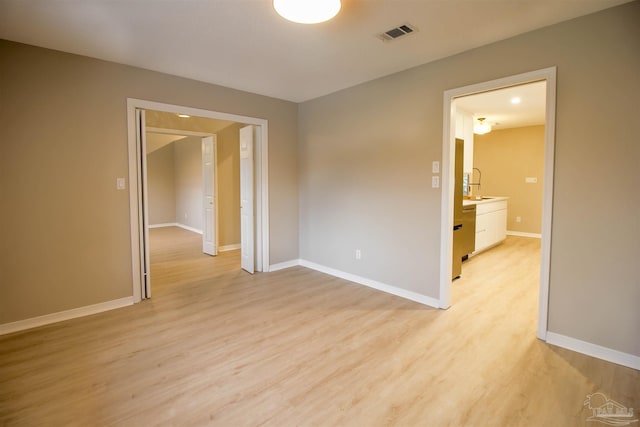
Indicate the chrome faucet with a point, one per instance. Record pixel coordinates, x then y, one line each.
479 178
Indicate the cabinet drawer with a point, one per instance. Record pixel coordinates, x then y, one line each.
491 227
483 208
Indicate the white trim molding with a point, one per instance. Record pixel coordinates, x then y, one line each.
393 290
136 207
523 234
186 227
283 265
178 132
594 350
34 322
164 224
176 224
232 247
448 156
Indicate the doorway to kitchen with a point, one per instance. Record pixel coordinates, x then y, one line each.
548 76
253 206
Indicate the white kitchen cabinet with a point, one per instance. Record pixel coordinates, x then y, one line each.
491 223
459 125
468 143
464 131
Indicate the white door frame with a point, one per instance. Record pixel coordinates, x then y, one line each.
261 191
446 239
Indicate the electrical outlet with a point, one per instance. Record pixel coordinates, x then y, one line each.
518 219
358 254
435 181
531 180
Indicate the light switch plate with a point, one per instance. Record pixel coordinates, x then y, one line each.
435 166
435 181
120 184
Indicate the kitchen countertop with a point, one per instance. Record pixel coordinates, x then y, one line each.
485 200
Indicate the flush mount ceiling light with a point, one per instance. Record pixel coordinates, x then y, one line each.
307 11
481 127
516 100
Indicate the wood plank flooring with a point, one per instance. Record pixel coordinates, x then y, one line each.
216 346
177 260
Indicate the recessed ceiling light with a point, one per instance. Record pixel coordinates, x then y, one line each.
184 116
307 11
515 100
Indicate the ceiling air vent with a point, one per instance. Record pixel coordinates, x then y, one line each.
397 32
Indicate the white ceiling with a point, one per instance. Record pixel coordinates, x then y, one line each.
244 44
498 110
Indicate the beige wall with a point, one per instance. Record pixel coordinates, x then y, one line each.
229 185
365 171
63 142
506 157
161 186
188 181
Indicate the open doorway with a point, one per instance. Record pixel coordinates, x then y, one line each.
183 184
193 199
547 76
203 217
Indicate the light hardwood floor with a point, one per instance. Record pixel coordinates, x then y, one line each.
216 346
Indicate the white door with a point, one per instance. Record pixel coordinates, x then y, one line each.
246 198
209 196
141 135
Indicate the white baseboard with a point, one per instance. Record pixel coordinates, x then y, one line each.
175 224
523 234
283 265
164 224
186 227
594 350
403 293
233 247
47 319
